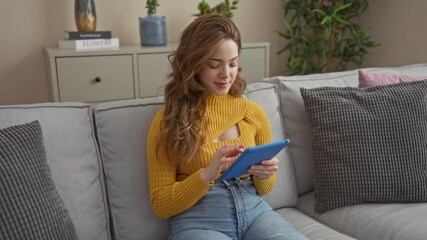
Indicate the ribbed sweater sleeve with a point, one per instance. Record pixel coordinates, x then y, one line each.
262 136
169 196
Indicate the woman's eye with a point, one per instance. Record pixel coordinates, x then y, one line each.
213 66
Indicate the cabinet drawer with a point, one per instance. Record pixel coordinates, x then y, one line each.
154 72
95 78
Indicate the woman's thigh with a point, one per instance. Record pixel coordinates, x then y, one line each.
214 212
272 225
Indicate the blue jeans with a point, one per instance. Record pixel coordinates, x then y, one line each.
231 209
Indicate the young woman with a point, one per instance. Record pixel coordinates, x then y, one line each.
203 126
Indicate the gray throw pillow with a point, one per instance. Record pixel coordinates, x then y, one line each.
369 145
30 206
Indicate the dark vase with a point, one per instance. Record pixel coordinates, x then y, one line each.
152 30
85 15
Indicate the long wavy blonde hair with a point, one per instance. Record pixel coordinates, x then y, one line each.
185 96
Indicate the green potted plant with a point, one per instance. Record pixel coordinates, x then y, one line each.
224 8
322 37
151 6
152 28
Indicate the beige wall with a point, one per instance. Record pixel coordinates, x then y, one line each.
29 26
400 27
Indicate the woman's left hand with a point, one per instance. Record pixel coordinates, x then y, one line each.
266 169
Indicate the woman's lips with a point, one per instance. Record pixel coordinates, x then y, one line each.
222 84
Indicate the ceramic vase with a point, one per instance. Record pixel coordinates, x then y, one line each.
85 15
152 30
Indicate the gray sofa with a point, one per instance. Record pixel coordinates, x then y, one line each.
97 157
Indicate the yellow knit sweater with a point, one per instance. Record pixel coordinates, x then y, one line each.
173 189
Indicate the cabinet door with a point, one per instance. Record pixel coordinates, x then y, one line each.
154 72
253 62
95 78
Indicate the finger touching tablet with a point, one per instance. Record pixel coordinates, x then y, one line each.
252 156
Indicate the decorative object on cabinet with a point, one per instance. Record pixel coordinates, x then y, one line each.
152 28
85 15
321 36
89 44
224 8
88 40
75 35
129 72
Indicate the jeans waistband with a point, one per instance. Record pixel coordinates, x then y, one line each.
235 182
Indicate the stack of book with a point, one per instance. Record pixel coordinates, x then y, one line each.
88 40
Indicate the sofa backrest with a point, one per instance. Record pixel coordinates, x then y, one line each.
122 129
284 193
73 159
296 124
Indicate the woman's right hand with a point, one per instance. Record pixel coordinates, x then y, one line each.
221 158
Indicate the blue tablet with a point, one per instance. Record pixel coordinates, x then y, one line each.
252 156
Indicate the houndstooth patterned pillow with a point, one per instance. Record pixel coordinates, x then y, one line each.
30 206
369 145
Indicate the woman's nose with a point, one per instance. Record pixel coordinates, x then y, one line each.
225 71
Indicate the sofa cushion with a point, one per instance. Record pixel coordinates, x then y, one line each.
30 206
380 221
71 153
373 221
295 121
369 145
372 79
122 129
310 227
284 193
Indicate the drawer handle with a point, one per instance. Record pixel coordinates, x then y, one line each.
97 80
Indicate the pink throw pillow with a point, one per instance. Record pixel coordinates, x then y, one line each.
372 79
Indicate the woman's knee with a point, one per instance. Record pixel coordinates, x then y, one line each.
272 225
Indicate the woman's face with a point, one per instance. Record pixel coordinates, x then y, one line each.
220 71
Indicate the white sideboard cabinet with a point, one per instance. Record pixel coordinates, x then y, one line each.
129 72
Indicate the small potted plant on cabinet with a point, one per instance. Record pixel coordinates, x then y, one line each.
152 28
